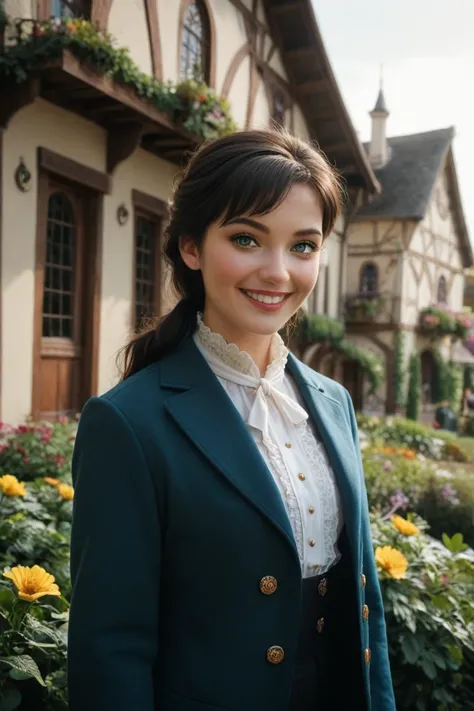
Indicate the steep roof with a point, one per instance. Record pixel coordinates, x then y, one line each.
409 177
296 33
381 104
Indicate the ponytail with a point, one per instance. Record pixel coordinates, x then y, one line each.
155 342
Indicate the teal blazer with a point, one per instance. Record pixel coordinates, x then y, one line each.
176 520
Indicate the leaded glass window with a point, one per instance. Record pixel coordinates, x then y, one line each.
145 269
69 8
59 282
195 44
369 279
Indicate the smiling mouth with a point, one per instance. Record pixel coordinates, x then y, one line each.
266 298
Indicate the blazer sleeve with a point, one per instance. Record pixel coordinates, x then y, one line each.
381 687
115 561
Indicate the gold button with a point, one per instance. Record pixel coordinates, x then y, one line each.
320 625
365 613
288 445
275 654
311 509
268 585
323 587
312 543
301 476
367 656
363 580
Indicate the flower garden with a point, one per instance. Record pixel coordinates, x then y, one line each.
421 494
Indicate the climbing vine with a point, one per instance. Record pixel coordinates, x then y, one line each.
399 374
414 387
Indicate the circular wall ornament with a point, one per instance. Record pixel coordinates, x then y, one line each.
23 177
122 214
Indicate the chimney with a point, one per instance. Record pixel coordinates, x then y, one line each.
379 153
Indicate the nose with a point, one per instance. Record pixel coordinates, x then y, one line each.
274 270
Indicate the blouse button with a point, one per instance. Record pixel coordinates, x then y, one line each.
312 543
301 477
288 445
311 509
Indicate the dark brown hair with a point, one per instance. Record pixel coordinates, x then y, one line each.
243 174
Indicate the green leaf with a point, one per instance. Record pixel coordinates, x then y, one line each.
429 668
411 649
7 598
10 698
25 666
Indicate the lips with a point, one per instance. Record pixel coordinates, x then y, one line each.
266 298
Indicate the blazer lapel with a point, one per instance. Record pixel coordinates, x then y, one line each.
333 427
204 412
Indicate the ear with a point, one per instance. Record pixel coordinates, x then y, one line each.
189 253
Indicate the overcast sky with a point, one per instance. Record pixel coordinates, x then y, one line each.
427 50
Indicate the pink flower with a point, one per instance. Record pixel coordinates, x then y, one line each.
60 459
46 437
63 419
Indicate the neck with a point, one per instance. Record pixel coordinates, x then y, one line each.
256 345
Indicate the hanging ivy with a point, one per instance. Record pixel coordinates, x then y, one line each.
191 104
414 387
371 364
399 371
319 328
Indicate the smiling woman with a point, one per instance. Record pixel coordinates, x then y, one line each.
232 472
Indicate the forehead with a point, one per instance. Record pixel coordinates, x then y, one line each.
301 204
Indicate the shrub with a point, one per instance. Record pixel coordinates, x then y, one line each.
429 615
31 451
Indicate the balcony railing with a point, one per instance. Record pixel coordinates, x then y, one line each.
364 307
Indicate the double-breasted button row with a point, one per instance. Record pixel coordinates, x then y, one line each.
367 656
363 580
275 654
365 613
268 585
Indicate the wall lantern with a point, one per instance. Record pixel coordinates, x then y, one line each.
23 177
122 214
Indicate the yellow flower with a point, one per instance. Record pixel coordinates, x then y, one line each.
66 491
406 527
32 583
11 486
391 561
50 480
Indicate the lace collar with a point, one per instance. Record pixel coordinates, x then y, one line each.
241 361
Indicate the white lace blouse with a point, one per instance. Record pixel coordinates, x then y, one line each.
272 409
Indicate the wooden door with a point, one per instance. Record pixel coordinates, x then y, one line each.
59 385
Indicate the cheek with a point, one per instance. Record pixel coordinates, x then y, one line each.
306 275
225 266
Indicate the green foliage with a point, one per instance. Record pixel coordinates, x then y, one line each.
455 376
31 451
430 620
34 530
439 321
192 104
315 328
370 363
414 387
399 374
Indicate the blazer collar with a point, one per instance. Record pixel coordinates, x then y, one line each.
202 409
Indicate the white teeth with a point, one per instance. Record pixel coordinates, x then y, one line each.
263 298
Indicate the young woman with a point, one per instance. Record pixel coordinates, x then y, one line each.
221 551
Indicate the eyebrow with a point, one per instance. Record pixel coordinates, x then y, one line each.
263 228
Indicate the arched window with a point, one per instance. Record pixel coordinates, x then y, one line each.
442 292
70 8
369 279
195 40
59 277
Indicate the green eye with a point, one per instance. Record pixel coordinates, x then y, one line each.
243 240
305 248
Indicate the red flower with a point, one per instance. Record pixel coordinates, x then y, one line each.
60 459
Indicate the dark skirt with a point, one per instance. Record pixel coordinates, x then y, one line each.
328 669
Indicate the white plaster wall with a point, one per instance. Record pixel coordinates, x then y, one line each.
20 8
239 91
230 36
300 125
168 15
127 23
37 125
261 110
153 176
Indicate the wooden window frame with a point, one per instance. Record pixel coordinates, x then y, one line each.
442 280
153 209
93 184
